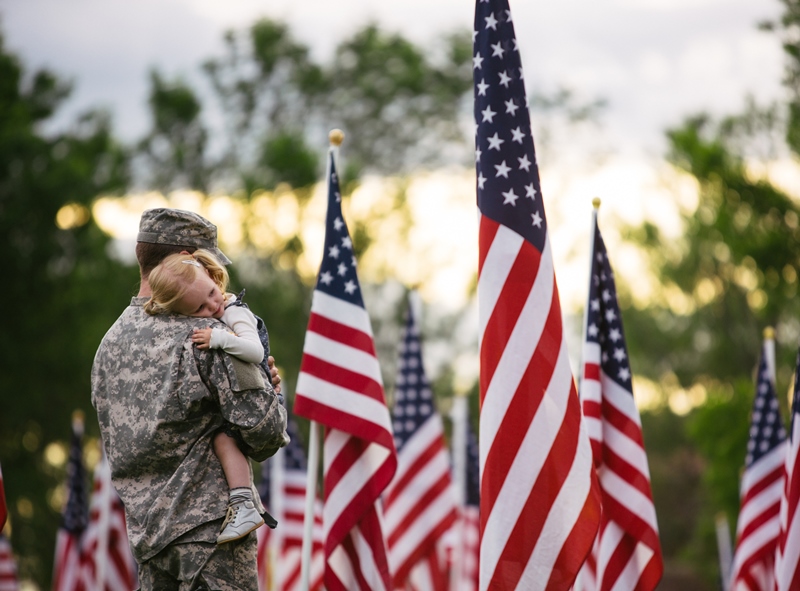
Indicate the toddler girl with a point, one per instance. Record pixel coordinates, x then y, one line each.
195 285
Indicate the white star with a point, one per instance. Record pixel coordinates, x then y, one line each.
524 163
502 169
488 114
477 154
505 79
342 269
606 295
610 315
481 180
338 223
518 135
510 197
474 35
338 197
497 50
511 107
530 191
495 142
491 22
477 60
624 374
614 335
353 261
333 251
600 257
537 219
347 243
326 278
595 304
482 86
516 48
592 330
350 287
508 16
619 354
521 74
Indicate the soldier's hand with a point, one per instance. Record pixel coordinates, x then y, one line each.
273 371
201 337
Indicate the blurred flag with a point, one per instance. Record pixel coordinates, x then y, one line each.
463 539
627 551
340 386
67 566
787 573
8 567
3 506
758 527
540 502
420 503
284 573
108 564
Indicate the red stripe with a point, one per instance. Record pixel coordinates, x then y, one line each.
342 377
591 371
506 312
341 333
617 561
627 472
629 521
767 514
622 423
421 502
400 482
486 233
765 482
426 546
592 409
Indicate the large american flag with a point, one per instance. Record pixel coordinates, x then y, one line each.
540 505
285 544
787 571
8 566
627 552
107 561
340 386
67 568
420 503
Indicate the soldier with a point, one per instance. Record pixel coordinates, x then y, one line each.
160 400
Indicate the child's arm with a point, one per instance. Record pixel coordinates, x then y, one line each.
245 344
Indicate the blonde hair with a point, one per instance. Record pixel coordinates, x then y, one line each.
170 280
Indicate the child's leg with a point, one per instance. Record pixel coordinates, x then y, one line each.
234 463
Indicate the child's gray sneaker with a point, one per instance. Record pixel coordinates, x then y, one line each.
242 518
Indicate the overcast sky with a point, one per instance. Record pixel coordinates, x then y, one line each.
655 61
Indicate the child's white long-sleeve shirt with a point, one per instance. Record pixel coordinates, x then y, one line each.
243 342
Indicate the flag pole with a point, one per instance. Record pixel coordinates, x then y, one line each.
724 549
769 352
458 444
335 137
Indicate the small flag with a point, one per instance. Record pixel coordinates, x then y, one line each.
8 567
340 387
67 570
787 568
540 502
627 551
420 503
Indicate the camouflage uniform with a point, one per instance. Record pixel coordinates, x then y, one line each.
159 402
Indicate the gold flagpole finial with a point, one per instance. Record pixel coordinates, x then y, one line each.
596 202
336 137
77 415
769 333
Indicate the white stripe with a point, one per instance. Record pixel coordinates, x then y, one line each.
621 398
594 428
591 352
496 266
756 506
632 572
518 351
524 470
342 355
341 311
759 538
612 534
791 554
560 519
348 401
422 481
630 497
366 557
357 476
765 465
626 448
430 433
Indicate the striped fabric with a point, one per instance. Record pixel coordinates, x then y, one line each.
627 551
340 386
787 568
8 567
420 503
540 505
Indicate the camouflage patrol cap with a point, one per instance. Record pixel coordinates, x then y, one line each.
180 228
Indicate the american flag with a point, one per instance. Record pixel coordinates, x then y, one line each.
8 567
758 526
787 573
67 575
464 537
286 542
107 563
340 386
540 504
3 506
627 551
420 503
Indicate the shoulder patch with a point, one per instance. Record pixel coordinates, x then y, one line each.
244 376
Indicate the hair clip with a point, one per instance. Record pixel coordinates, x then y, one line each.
192 262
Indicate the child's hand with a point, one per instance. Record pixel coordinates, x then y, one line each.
201 337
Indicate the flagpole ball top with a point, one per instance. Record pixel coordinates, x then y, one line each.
77 415
336 137
596 202
769 333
